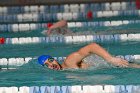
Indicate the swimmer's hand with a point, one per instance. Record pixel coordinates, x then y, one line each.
46 32
119 62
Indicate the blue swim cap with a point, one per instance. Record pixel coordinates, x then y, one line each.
43 58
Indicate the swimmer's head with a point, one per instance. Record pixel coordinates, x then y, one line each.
43 58
50 62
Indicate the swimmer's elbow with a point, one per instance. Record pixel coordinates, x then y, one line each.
94 44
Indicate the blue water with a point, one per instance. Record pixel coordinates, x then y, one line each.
32 50
32 74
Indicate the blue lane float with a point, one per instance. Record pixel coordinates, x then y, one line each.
70 16
73 89
75 39
18 27
68 8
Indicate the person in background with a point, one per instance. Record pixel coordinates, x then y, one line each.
58 28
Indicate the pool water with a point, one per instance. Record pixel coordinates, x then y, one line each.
32 74
32 50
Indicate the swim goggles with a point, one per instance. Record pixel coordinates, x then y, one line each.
51 59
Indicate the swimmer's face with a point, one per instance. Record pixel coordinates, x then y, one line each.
52 64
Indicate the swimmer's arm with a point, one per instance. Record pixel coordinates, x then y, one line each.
98 50
84 65
95 49
133 65
68 63
59 24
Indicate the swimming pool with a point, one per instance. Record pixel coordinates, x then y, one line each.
38 76
117 34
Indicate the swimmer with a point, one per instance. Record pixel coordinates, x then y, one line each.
75 59
57 28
